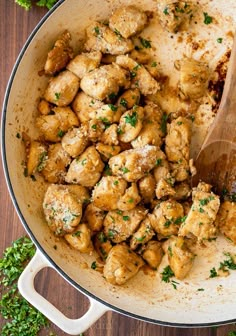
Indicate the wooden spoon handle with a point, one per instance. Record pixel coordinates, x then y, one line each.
224 125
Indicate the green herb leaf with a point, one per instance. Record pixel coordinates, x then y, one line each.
123 102
219 40
60 133
213 273
97 31
131 119
207 18
126 218
167 274
145 43
125 170
113 107
94 265
165 11
158 162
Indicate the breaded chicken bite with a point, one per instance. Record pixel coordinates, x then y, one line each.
55 164
86 169
168 215
120 225
131 123
180 257
84 63
53 126
75 140
80 239
226 220
61 89
141 78
108 191
133 164
59 55
201 217
101 38
128 21
106 80
152 253
62 209
94 217
144 233
121 264
83 105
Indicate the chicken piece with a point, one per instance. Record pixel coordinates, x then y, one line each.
164 188
129 98
130 198
147 185
75 140
120 225
141 56
61 89
133 164
174 15
102 245
36 157
94 217
106 80
107 151
107 113
54 166
130 124
178 140
59 55
84 63
108 191
151 133
86 169
200 220
121 265
95 129
128 21
154 70
80 192
144 233
62 209
194 78
80 239
180 257
177 144
110 136
162 169
53 127
141 78
168 216
226 220
152 253
182 191
102 38
108 59
83 105
44 107
180 171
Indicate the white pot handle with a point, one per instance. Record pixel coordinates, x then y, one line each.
70 326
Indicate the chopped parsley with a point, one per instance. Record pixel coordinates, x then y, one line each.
116 183
166 274
131 119
126 218
213 273
41 163
165 11
207 18
167 223
123 102
158 162
113 107
140 239
94 126
94 265
101 237
23 319
119 131
164 123
124 170
107 171
97 31
112 96
205 201
60 133
153 64
145 43
116 31
57 95
76 234
228 263
180 220
111 233
83 162
131 200
219 40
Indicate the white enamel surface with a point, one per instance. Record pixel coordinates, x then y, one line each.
70 326
144 296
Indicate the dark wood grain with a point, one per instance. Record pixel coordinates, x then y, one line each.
15 26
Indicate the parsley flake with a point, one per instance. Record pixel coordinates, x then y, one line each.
131 119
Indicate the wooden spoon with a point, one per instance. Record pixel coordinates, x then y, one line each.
216 161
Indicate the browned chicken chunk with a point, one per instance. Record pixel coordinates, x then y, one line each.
121 264
226 220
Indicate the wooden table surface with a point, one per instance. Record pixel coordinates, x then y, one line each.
15 26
